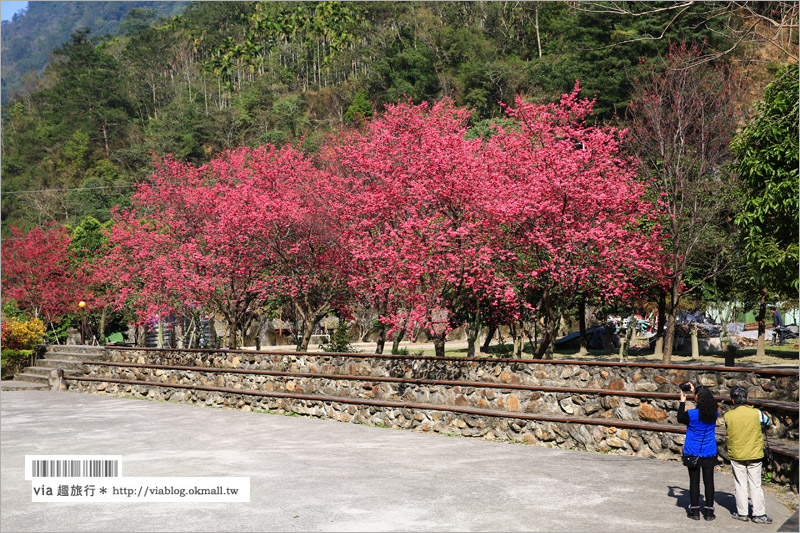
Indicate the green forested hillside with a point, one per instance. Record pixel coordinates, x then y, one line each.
226 74
29 38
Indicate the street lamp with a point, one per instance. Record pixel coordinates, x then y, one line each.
82 305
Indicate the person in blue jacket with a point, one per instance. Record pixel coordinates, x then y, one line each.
701 441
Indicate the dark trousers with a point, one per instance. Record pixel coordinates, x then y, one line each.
706 465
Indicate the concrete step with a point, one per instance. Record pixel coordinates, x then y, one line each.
45 370
65 364
75 356
33 378
12 385
75 349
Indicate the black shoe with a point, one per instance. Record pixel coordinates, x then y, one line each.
693 513
708 513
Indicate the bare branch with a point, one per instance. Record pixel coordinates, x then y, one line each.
755 30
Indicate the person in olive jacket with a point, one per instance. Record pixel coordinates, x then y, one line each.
746 451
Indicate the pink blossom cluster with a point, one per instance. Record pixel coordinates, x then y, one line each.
408 213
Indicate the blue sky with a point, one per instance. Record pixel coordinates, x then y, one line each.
7 9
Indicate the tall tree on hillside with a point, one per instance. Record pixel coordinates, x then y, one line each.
767 160
682 122
88 93
740 23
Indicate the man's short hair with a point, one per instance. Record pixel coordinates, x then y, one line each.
772 308
739 395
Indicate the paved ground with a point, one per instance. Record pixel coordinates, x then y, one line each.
319 475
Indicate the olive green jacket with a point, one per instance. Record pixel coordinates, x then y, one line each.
745 440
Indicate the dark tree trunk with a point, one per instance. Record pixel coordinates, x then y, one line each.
308 330
473 334
381 342
669 334
232 331
761 346
584 342
396 341
661 318
545 349
489 335
438 344
381 326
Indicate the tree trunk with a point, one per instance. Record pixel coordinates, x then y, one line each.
192 333
396 341
473 334
761 346
695 344
536 23
381 338
669 335
105 140
545 349
662 312
625 343
488 341
308 329
155 109
438 344
102 332
584 341
381 326
233 328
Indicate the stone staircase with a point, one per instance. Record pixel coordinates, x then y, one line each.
67 358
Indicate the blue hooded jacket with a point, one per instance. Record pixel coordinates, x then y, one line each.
701 437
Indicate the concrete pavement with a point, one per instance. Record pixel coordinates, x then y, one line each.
319 475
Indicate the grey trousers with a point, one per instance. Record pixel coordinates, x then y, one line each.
747 480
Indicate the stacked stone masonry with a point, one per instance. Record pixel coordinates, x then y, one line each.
636 393
502 397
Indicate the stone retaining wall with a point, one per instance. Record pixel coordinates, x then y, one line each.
614 376
603 437
504 399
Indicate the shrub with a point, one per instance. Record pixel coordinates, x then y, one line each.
339 342
21 334
405 351
13 361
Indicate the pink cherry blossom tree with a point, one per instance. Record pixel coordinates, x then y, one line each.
569 209
43 275
185 242
412 181
229 236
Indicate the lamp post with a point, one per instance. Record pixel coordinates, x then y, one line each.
82 305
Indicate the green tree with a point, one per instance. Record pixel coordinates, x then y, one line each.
766 153
89 92
360 109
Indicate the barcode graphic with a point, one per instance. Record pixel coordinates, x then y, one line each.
74 468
